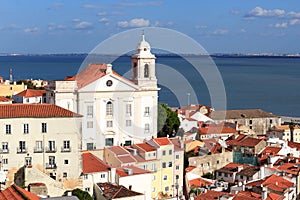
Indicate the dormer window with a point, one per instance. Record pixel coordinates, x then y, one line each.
146 71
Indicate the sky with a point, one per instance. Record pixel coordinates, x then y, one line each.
77 26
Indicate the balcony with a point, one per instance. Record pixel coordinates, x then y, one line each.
51 166
51 150
38 150
21 150
3 151
64 149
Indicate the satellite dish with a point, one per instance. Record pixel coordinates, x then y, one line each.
2 177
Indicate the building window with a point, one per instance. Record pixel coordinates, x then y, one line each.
218 161
146 71
153 178
128 109
170 164
89 111
177 167
52 161
177 177
8 128
128 123
89 124
85 176
177 157
4 147
164 152
66 162
22 146
25 128
250 121
66 145
51 146
250 127
102 175
164 165
127 143
165 177
109 141
27 161
147 128
153 166
87 189
109 124
170 152
167 188
38 146
5 161
89 146
109 108
44 127
153 189
271 121
65 175
147 111
219 174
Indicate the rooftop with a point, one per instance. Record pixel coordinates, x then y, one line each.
34 110
111 191
123 171
15 192
145 147
92 164
241 114
162 141
31 93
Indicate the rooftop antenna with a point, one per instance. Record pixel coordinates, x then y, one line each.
11 75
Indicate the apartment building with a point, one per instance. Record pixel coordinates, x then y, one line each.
40 136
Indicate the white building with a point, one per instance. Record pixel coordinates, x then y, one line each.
116 111
42 137
30 96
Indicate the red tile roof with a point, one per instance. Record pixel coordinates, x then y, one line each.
274 196
31 93
243 196
145 147
270 151
216 129
92 164
250 194
15 192
34 110
111 191
286 127
126 159
121 171
294 145
241 114
290 168
248 142
211 195
4 99
118 150
177 144
199 182
162 141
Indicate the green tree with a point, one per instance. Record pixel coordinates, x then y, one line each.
167 121
82 195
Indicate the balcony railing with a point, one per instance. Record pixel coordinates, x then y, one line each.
38 149
51 150
64 149
21 150
51 166
4 151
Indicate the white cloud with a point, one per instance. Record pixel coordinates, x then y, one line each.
162 24
200 27
53 27
235 12
220 32
260 12
76 20
280 25
90 6
31 30
102 13
137 22
9 27
294 21
243 30
83 25
103 19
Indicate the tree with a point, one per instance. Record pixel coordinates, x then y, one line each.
82 195
167 121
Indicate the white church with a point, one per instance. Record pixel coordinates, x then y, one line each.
116 110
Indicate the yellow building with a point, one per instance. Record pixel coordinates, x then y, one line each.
286 132
7 89
162 156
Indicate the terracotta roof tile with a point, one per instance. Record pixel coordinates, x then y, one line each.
145 147
111 191
162 141
274 196
91 164
4 99
286 127
31 93
243 196
121 171
15 192
216 129
177 144
118 150
200 182
34 110
126 159
211 195
248 142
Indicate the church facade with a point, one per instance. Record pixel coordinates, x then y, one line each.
116 110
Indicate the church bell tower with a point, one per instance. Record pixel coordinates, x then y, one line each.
143 66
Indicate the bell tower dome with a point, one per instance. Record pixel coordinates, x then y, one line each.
143 66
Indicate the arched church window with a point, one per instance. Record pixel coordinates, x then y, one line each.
146 71
109 108
134 69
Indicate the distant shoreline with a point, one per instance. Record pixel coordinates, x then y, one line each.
217 55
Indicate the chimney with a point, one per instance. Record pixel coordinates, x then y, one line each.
108 69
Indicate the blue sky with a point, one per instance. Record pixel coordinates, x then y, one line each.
231 26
